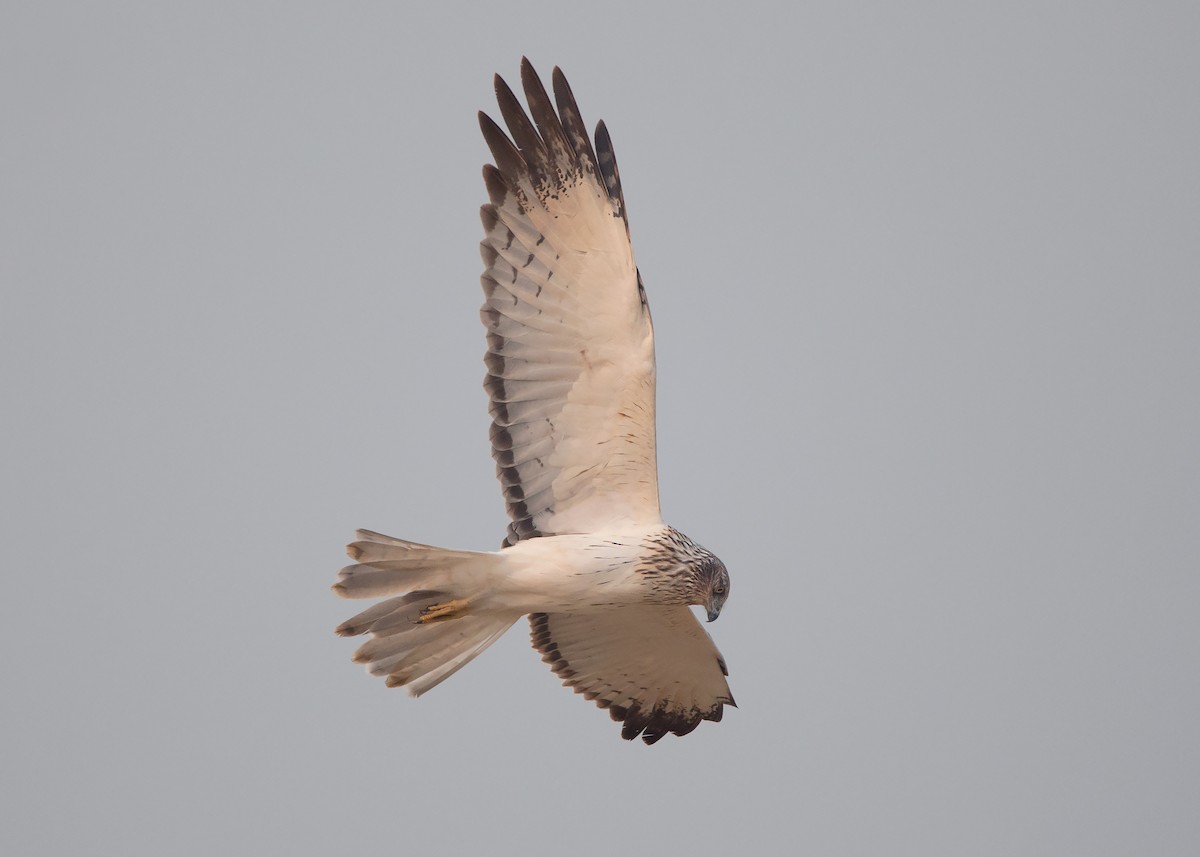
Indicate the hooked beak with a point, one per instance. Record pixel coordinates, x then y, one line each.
713 614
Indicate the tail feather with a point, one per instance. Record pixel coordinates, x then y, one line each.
382 578
424 659
387 617
362 622
387 566
370 546
410 653
439 666
408 617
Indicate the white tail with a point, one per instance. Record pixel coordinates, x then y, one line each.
421 637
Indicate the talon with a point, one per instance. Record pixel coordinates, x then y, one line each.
443 612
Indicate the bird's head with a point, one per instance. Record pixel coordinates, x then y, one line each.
715 587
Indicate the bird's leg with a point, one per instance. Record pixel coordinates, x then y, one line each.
452 609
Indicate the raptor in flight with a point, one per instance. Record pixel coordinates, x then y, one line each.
570 373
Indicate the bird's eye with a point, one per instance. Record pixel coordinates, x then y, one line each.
718 590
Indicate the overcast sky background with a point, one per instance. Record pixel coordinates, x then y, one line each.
926 282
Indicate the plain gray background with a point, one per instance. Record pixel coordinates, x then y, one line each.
926 280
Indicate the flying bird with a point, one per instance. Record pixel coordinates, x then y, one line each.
571 380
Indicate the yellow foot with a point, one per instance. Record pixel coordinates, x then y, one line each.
444 611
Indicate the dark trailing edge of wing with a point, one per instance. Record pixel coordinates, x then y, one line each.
545 153
648 725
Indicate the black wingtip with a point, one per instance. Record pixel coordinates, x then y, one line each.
497 188
607 161
505 153
501 86
528 73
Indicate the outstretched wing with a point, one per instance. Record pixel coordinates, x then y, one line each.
570 346
571 379
654 668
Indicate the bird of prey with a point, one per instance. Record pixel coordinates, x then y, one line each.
570 374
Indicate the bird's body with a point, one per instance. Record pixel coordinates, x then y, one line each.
571 379
574 573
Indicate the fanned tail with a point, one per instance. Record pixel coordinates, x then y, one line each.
421 637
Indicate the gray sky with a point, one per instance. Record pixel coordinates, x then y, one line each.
926 281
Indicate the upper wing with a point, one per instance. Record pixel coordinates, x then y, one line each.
655 668
570 345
